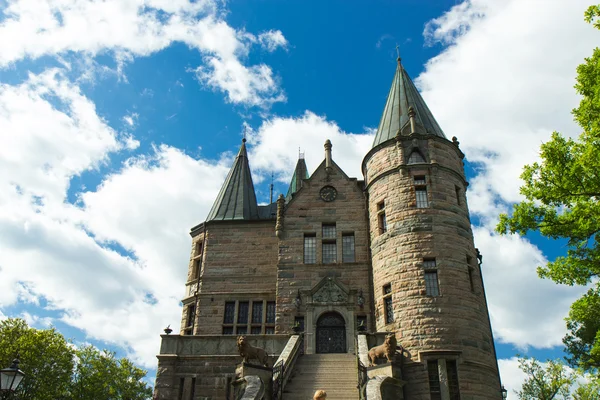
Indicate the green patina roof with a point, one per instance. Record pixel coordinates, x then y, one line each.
301 172
237 199
404 94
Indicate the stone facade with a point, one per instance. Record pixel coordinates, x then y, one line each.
452 323
394 252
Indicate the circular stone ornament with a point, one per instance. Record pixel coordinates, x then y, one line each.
328 193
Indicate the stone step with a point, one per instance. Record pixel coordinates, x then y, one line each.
334 373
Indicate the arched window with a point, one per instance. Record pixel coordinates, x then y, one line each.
415 158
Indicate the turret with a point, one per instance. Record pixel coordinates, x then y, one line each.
427 283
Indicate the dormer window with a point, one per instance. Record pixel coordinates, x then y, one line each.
415 158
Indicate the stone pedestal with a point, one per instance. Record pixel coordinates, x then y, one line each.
265 374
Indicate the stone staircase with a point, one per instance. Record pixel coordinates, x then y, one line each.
334 373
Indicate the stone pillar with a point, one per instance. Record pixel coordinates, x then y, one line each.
443 374
254 372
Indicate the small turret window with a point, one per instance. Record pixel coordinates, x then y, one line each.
415 158
432 287
381 220
421 192
388 304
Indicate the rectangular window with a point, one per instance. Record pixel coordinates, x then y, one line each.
471 283
329 253
270 312
242 312
329 231
269 330
421 191
421 194
388 304
420 180
229 312
255 330
310 248
387 289
198 248
300 322
453 380
431 283
181 384
193 391
196 272
361 320
228 330
348 247
241 330
257 308
457 189
381 220
471 274
434 380
191 316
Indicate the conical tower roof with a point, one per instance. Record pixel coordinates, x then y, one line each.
237 199
300 173
404 95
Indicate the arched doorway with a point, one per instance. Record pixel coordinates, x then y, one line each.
331 333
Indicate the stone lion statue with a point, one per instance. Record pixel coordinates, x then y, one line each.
248 352
387 350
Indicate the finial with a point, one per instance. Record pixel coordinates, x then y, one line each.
398 52
244 138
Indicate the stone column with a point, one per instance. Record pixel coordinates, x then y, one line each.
309 330
443 374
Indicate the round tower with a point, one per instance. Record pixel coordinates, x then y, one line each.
427 281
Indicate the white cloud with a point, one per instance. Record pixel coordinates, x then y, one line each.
131 119
276 143
524 309
132 28
502 92
512 377
49 132
272 40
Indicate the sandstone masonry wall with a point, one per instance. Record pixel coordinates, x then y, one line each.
454 324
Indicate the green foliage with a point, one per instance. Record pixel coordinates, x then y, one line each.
583 337
562 194
99 375
46 357
588 391
552 382
55 369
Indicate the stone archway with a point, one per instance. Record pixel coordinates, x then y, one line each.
331 333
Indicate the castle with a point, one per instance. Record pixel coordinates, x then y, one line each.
392 252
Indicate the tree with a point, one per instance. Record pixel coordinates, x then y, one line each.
99 375
552 382
588 391
46 358
55 369
562 201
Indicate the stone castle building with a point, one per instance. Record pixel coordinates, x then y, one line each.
390 252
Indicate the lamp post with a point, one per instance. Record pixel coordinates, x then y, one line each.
10 379
504 392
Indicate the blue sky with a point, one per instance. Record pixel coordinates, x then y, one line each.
119 121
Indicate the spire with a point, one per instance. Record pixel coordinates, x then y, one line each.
237 199
404 102
300 173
